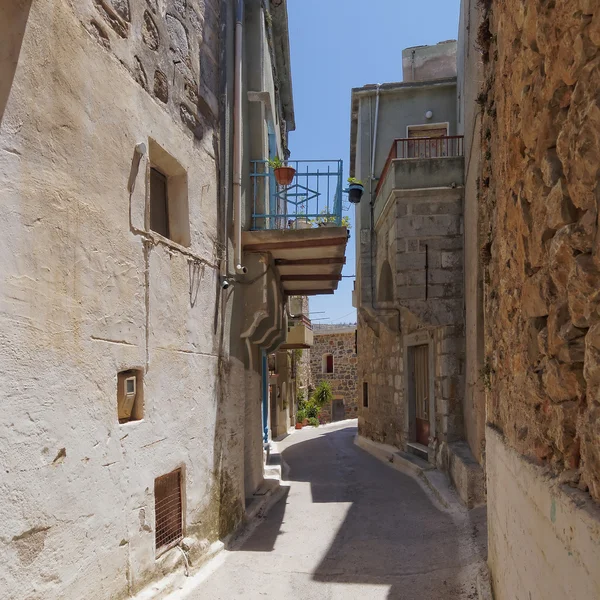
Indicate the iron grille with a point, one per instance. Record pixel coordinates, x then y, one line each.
168 510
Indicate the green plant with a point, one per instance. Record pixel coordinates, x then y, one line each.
301 415
354 181
275 162
328 218
313 421
312 409
323 394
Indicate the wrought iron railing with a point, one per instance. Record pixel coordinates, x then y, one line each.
433 147
313 199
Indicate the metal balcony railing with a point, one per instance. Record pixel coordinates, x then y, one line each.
433 147
314 198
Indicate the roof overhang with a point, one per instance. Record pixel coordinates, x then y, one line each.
385 88
309 261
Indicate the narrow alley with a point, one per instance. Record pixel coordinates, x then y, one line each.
349 526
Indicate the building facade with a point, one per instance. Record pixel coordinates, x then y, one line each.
333 359
138 307
512 389
409 290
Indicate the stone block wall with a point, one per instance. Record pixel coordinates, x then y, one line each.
171 48
343 380
381 367
539 202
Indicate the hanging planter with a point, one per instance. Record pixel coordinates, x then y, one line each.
355 190
284 175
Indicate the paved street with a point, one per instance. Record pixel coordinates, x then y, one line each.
350 526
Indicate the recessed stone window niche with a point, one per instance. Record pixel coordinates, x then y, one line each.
130 396
167 196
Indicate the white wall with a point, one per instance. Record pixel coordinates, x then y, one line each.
82 297
543 538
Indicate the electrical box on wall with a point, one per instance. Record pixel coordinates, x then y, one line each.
129 396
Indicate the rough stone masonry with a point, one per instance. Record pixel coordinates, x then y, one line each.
539 241
338 341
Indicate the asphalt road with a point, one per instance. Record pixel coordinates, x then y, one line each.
351 527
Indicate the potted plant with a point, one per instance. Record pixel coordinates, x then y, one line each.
300 418
284 175
355 190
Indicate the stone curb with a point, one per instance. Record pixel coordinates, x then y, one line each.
432 481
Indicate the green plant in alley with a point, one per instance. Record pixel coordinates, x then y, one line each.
323 394
354 181
275 162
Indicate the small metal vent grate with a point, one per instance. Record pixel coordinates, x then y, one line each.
168 509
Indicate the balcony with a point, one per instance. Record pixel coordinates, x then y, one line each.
421 163
299 335
300 225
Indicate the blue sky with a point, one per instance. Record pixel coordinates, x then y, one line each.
337 45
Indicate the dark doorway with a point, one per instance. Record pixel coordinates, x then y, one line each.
419 391
338 411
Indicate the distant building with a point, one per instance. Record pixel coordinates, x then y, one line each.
409 292
333 359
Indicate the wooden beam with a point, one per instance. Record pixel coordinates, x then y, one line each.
314 277
308 292
304 262
291 244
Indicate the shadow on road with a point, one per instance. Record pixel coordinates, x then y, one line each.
392 535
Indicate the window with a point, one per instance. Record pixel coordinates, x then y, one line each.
130 396
168 510
168 196
327 363
365 394
159 203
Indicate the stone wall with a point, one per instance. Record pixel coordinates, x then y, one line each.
539 195
171 48
87 291
343 380
381 366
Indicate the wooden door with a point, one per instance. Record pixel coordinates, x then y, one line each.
423 142
421 392
338 412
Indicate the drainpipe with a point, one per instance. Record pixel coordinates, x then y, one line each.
237 139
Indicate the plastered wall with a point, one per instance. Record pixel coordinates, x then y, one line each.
86 291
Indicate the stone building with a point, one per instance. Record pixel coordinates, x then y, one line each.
537 193
409 290
137 307
333 359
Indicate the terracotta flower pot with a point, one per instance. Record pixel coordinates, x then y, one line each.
284 175
298 425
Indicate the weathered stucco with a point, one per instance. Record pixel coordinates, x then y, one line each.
87 290
543 535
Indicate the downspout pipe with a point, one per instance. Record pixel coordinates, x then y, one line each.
237 139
